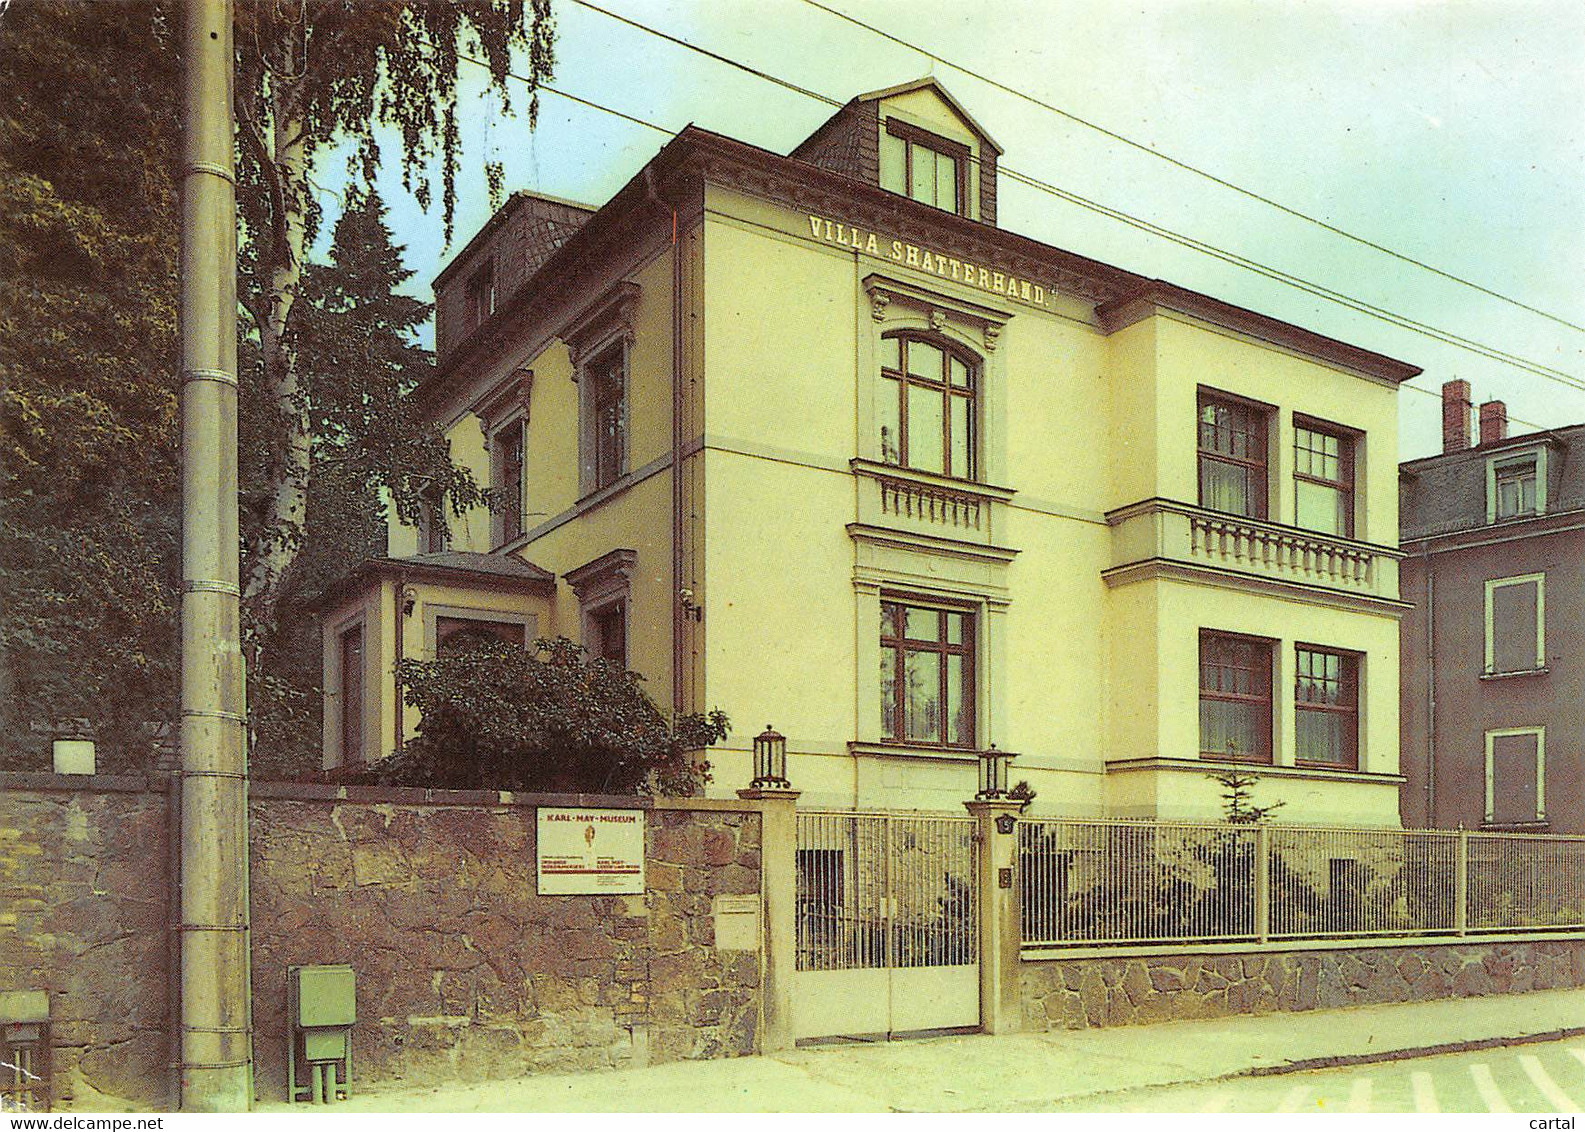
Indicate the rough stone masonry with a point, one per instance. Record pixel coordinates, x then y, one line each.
464 972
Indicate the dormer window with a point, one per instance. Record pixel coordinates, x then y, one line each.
1516 486
480 296
924 166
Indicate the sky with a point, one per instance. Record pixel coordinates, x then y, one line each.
1451 132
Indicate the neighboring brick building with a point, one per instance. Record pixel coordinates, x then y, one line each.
1493 712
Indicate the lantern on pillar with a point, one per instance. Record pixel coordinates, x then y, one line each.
993 773
770 761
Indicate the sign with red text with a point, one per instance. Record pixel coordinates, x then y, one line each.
590 851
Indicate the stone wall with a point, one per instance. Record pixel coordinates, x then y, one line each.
464 972
83 916
1091 992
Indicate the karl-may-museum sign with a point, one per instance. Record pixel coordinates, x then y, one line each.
590 851
977 275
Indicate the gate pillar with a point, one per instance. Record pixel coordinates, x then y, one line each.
1001 1010
778 811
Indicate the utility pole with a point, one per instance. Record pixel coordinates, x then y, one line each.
216 1004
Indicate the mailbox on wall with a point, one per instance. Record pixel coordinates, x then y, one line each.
321 1008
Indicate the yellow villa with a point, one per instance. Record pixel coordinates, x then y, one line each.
810 439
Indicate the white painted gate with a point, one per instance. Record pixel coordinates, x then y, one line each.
888 938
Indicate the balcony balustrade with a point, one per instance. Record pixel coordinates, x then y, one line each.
1161 533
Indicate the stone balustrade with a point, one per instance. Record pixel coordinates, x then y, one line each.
930 504
1161 534
1234 541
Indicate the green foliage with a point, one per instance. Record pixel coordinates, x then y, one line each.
311 79
89 475
1237 790
89 480
501 717
355 337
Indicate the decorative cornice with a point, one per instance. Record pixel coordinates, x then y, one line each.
884 288
1157 294
1149 569
502 401
931 544
809 188
611 570
608 316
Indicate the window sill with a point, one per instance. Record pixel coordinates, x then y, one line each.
1542 671
1313 764
1160 763
914 751
1539 826
1247 760
878 470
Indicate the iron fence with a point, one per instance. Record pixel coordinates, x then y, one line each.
885 890
1119 882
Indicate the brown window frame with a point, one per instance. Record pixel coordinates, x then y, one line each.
479 294
448 628
1347 465
600 619
1349 682
607 375
353 740
1260 413
902 645
510 437
904 380
434 534
1265 649
911 136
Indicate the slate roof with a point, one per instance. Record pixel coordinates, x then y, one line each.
457 567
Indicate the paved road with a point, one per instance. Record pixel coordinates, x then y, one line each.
1544 1078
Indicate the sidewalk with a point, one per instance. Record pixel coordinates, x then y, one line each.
1018 1072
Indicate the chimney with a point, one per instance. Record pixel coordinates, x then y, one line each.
1493 422
1455 416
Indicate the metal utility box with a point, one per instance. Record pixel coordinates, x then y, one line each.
322 1008
24 1051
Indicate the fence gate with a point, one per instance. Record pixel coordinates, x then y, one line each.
887 925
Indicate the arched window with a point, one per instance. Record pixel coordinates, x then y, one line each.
927 405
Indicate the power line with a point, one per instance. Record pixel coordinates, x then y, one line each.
1438 396
1197 171
1319 290
672 133
1491 353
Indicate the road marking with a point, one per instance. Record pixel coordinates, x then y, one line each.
1359 1095
1424 1093
1293 1099
1488 1089
1543 1081
1217 1103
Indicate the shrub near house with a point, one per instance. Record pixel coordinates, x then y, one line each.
499 716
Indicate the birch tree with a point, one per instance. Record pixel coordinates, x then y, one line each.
315 77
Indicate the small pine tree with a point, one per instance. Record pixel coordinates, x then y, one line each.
1237 794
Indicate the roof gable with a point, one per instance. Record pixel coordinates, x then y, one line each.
933 87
